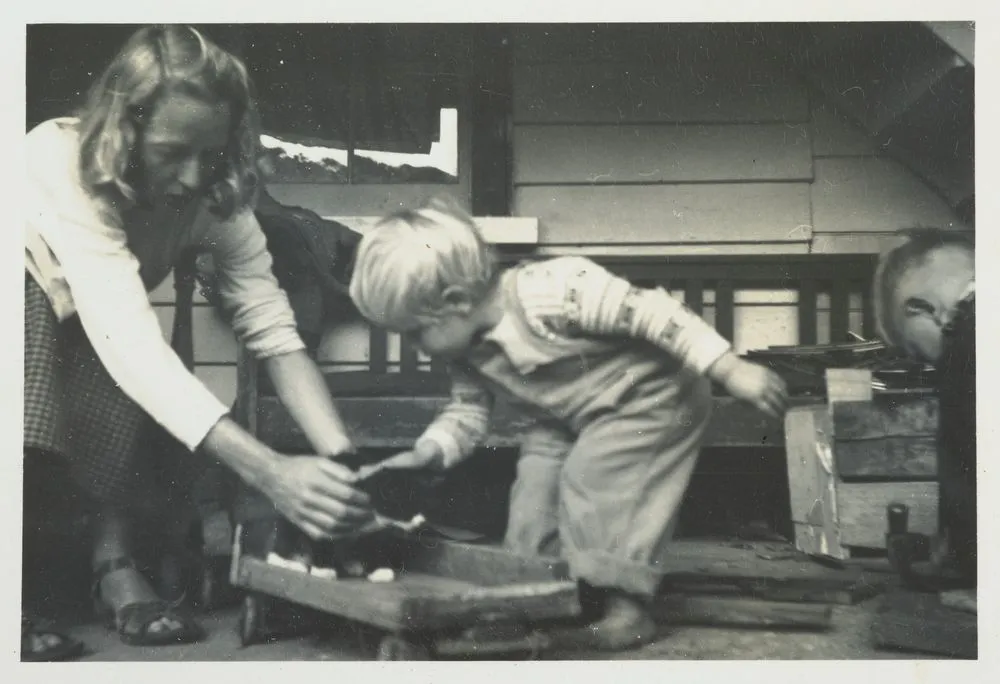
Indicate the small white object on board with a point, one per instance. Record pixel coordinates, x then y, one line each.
382 575
323 573
275 559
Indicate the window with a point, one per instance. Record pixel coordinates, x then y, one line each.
360 119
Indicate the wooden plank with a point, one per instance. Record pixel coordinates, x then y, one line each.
396 422
699 213
886 416
724 318
890 458
409 358
672 250
848 384
839 312
812 481
629 43
411 604
807 312
378 350
861 510
765 571
739 612
875 242
863 195
694 295
247 400
214 339
573 154
484 565
499 230
918 622
700 88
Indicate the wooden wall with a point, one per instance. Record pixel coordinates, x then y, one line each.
669 140
692 139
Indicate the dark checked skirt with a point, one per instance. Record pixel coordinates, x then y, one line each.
74 410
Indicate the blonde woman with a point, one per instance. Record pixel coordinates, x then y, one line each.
161 158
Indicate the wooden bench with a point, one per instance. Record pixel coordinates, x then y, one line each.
388 404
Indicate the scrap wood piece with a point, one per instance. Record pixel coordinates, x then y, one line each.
751 570
914 621
960 599
713 610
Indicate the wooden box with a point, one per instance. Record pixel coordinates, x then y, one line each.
850 458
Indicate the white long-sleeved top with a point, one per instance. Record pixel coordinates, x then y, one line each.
97 262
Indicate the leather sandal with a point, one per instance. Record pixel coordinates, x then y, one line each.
143 622
46 646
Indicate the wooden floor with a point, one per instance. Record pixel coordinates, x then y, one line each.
848 639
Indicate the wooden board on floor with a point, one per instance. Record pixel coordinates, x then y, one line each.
918 622
764 570
414 601
740 612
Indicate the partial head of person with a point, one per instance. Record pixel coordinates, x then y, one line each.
917 287
426 273
171 120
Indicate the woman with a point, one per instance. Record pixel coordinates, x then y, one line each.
160 159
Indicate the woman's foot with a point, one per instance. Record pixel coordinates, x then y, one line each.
46 646
137 613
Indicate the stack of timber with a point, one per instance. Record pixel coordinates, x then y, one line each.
756 584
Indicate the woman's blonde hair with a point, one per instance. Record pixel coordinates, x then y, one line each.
155 60
406 262
919 244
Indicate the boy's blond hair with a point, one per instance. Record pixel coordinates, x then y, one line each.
919 244
407 261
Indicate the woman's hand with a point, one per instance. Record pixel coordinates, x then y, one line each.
318 495
313 492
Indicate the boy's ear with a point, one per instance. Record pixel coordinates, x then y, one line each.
458 300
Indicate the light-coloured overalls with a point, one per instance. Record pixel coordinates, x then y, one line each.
602 474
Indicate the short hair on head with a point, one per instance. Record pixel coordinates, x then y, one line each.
920 242
406 262
156 60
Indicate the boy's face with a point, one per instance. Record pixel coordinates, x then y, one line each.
447 335
925 297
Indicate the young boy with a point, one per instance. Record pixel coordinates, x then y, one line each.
925 305
615 376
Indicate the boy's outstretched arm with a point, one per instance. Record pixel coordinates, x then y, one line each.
455 433
575 295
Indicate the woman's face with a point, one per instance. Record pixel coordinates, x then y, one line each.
182 148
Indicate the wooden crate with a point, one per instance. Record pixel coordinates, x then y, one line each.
849 458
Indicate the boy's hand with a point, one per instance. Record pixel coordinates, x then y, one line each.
424 456
752 383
